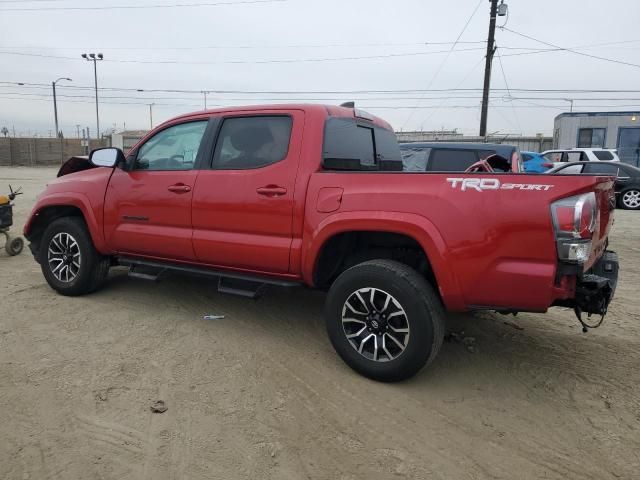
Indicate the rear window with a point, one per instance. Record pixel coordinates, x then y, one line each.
603 155
450 160
349 145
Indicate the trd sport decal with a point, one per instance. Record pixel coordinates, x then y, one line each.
480 184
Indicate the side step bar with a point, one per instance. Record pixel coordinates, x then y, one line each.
234 283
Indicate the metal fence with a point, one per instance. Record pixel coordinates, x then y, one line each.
33 152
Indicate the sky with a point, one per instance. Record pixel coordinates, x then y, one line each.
418 64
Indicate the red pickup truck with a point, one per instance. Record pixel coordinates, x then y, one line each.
316 195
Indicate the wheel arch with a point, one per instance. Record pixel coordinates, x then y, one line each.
404 230
62 206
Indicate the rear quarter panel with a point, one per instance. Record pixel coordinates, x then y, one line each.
489 248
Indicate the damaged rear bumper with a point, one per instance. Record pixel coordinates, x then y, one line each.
595 289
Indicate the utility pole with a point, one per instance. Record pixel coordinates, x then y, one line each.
78 130
151 115
487 67
92 57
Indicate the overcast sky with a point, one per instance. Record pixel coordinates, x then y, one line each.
248 47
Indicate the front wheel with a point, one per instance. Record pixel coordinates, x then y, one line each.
69 261
384 320
630 199
14 246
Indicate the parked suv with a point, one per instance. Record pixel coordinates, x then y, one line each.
558 157
315 195
454 157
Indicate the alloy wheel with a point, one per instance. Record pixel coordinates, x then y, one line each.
631 199
64 257
375 324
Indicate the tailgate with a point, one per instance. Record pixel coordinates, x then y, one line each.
606 201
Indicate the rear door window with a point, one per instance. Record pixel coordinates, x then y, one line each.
451 160
603 155
571 170
252 142
604 168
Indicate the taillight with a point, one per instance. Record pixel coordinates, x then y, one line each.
574 221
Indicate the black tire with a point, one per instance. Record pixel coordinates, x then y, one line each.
93 267
629 203
14 246
424 318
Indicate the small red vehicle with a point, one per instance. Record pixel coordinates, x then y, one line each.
316 195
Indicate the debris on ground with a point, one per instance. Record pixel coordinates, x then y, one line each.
159 407
213 317
514 325
459 337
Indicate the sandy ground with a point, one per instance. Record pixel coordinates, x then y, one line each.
261 394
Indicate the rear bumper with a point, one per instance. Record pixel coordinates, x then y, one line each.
595 289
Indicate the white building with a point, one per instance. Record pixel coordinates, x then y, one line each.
620 130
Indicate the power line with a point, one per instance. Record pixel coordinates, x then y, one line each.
570 50
444 61
139 7
326 92
381 107
508 97
446 99
246 62
506 84
246 47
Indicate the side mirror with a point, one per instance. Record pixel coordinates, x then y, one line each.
106 157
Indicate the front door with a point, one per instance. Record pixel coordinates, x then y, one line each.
148 205
629 145
243 205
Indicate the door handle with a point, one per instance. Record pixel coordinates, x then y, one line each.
179 188
271 191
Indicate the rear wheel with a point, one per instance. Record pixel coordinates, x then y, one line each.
630 199
69 261
384 320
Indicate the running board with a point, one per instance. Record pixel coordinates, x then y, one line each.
234 283
243 288
150 274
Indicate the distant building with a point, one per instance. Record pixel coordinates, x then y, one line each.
127 139
620 130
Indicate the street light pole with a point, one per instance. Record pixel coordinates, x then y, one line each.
204 92
570 100
92 57
55 104
151 115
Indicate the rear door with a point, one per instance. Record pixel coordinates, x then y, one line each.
243 202
148 205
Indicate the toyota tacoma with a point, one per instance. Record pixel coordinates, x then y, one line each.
318 196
